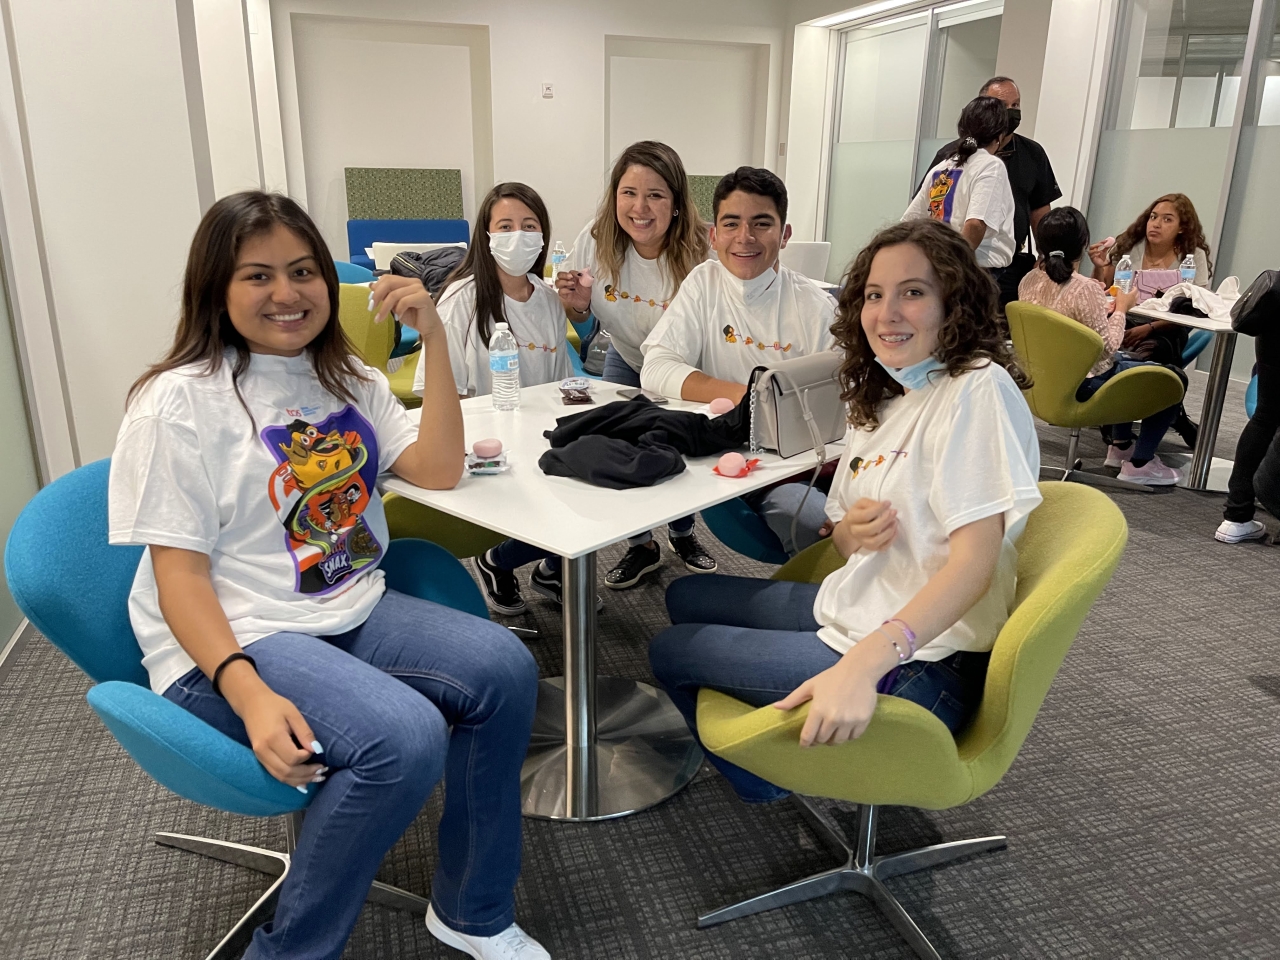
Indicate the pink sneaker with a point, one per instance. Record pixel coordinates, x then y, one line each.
1116 456
1153 473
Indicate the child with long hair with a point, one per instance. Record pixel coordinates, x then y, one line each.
937 478
247 464
1062 238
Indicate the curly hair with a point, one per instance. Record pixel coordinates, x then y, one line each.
1190 232
970 335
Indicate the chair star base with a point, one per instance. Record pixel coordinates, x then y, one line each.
1072 473
274 864
862 872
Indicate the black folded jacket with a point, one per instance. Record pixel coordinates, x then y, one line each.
636 443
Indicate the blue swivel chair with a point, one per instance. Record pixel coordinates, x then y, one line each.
742 530
73 587
1251 394
352 272
1197 340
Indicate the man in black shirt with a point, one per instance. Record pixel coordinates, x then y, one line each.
1030 177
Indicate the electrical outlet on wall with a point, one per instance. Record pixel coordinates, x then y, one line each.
548 91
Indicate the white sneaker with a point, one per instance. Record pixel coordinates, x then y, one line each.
1116 456
1231 532
511 944
1153 473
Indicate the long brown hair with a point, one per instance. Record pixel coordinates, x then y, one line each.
1190 232
479 262
204 326
970 335
686 244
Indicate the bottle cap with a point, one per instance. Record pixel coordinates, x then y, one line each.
501 326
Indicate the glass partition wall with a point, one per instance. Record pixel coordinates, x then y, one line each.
1193 106
901 83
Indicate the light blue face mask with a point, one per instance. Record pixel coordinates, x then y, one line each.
916 376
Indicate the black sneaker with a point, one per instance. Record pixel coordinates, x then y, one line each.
1186 428
501 588
635 563
696 559
551 586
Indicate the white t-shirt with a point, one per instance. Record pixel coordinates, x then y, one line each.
953 452
288 513
725 327
538 325
630 307
979 190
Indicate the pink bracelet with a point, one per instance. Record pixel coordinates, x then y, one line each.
907 632
903 657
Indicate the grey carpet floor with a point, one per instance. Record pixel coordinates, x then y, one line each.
1141 812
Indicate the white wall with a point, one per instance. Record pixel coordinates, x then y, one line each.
228 96
109 153
558 146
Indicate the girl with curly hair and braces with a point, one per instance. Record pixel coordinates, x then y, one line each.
934 488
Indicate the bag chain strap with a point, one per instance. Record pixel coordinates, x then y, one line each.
752 447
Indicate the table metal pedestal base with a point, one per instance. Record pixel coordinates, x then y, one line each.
643 750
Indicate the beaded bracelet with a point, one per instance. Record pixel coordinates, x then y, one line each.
907 632
902 657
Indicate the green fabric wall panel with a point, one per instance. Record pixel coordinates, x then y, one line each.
703 189
392 193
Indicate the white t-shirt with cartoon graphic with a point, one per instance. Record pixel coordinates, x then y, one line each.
726 327
978 190
286 509
538 325
956 451
629 307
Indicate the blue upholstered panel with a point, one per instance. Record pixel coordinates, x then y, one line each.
69 582
426 570
742 530
352 272
364 233
1251 395
188 756
1197 340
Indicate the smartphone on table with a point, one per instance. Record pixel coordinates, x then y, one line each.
631 394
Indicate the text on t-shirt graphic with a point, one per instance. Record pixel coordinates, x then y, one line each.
942 192
320 491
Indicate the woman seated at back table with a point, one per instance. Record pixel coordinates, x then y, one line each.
1156 242
1061 237
932 492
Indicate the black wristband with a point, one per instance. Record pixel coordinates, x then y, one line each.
238 655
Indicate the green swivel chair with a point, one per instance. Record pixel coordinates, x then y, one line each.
907 757
1057 353
373 342
409 519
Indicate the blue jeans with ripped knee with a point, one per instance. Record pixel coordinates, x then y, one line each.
417 691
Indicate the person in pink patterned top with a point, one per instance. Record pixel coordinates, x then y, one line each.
1062 237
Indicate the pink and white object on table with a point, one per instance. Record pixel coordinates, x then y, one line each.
720 405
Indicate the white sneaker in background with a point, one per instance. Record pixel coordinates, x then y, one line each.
1230 532
1153 473
511 944
1116 456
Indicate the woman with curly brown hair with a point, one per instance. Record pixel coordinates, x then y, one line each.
934 487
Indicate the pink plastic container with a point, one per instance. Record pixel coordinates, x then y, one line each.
487 449
732 465
721 405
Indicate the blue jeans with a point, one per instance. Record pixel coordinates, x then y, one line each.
617 370
416 691
757 640
1154 427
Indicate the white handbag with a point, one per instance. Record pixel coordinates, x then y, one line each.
796 405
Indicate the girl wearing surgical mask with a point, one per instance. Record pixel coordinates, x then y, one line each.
500 281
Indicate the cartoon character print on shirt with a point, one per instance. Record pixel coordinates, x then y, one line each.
942 193
320 491
859 467
732 336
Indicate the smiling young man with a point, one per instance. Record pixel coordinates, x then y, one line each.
745 309
736 313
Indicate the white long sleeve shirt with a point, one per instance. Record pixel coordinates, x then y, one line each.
726 327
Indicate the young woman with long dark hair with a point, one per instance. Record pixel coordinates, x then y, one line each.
246 464
937 478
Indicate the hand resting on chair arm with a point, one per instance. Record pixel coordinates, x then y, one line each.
843 697
200 626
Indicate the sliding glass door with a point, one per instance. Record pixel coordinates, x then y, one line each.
901 83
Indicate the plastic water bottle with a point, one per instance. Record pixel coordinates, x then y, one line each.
1187 269
558 260
1124 274
504 368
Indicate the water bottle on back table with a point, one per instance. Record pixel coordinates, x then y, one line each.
1124 274
1187 269
504 368
558 260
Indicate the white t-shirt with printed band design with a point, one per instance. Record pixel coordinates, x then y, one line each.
956 451
286 508
538 325
726 327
